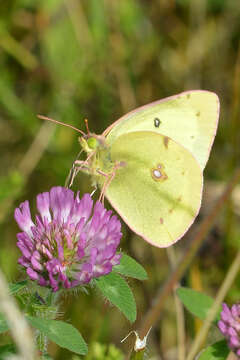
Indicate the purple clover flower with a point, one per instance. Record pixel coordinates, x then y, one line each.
71 241
229 326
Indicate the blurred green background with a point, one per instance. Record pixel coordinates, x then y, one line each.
98 59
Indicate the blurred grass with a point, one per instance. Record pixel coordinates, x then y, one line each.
72 59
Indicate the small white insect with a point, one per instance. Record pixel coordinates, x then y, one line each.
140 344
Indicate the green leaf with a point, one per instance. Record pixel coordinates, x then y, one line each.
63 334
3 324
15 288
196 302
7 350
130 267
217 351
117 291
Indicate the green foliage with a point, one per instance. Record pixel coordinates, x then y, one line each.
3 324
196 302
6 351
63 334
131 268
15 107
117 291
217 351
11 185
17 287
98 351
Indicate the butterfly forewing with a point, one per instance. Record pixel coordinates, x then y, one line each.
189 118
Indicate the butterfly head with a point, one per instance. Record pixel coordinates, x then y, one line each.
92 142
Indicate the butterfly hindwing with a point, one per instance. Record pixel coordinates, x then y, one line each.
158 189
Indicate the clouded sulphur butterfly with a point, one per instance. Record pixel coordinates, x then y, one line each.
149 163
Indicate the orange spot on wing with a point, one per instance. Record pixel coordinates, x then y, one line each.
158 173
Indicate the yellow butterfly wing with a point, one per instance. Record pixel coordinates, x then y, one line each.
157 190
189 118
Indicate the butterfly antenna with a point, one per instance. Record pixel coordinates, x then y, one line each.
86 124
61 123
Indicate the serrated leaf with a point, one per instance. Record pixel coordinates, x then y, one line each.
63 334
15 288
196 302
117 291
3 324
130 267
217 351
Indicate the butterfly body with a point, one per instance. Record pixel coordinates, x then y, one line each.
98 163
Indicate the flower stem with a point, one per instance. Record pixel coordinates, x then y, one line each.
139 355
44 304
181 338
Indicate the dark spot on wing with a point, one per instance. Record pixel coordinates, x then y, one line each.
192 137
157 122
198 113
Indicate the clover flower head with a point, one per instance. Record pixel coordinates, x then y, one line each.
229 326
71 240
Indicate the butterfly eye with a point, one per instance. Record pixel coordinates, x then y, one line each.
157 122
92 143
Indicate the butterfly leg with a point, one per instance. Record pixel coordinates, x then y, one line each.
72 173
106 175
76 167
109 178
